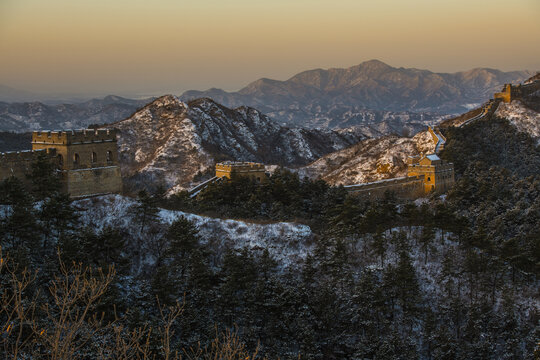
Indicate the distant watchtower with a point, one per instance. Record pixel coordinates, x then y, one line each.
251 170
438 175
506 94
88 159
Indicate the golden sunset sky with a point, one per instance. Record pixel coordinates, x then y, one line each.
150 47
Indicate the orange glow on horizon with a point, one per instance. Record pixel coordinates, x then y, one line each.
140 47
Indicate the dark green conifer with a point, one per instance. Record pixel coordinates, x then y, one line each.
145 210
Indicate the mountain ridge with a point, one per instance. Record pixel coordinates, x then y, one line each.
371 85
35 115
169 141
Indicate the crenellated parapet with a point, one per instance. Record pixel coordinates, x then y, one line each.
512 92
505 95
25 155
252 170
72 137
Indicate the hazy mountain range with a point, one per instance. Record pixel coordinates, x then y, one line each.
28 116
374 97
346 97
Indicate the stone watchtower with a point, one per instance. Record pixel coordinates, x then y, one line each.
438 175
506 94
88 159
252 170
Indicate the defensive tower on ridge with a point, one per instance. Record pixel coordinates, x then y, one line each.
86 159
252 170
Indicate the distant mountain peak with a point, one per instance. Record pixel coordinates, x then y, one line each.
372 64
166 100
372 85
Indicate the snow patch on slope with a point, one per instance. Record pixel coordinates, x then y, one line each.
523 118
288 243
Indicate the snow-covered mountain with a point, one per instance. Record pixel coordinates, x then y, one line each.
28 116
170 141
316 97
369 160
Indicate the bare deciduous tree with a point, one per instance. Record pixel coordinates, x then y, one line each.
70 319
127 345
168 314
15 310
226 346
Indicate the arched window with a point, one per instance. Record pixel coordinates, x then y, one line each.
428 179
60 161
76 159
109 156
94 157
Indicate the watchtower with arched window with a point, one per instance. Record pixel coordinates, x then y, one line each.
438 175
87 158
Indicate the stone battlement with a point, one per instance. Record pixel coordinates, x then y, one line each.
511 92
425 175
71 137
25 155
19 163
239 166
252 170
383 183
408 187
506 93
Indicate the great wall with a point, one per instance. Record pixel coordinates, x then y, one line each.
430 173
87 160
425 175
507 95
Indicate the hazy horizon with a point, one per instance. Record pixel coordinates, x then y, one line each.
135 48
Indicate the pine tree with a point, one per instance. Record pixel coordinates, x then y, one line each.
164 285
238 276
106 247
408 288
44 177
426 239
201 276
58 216
20 229
146 210
183 239
344 218
379 244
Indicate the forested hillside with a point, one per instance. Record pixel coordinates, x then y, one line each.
439 278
